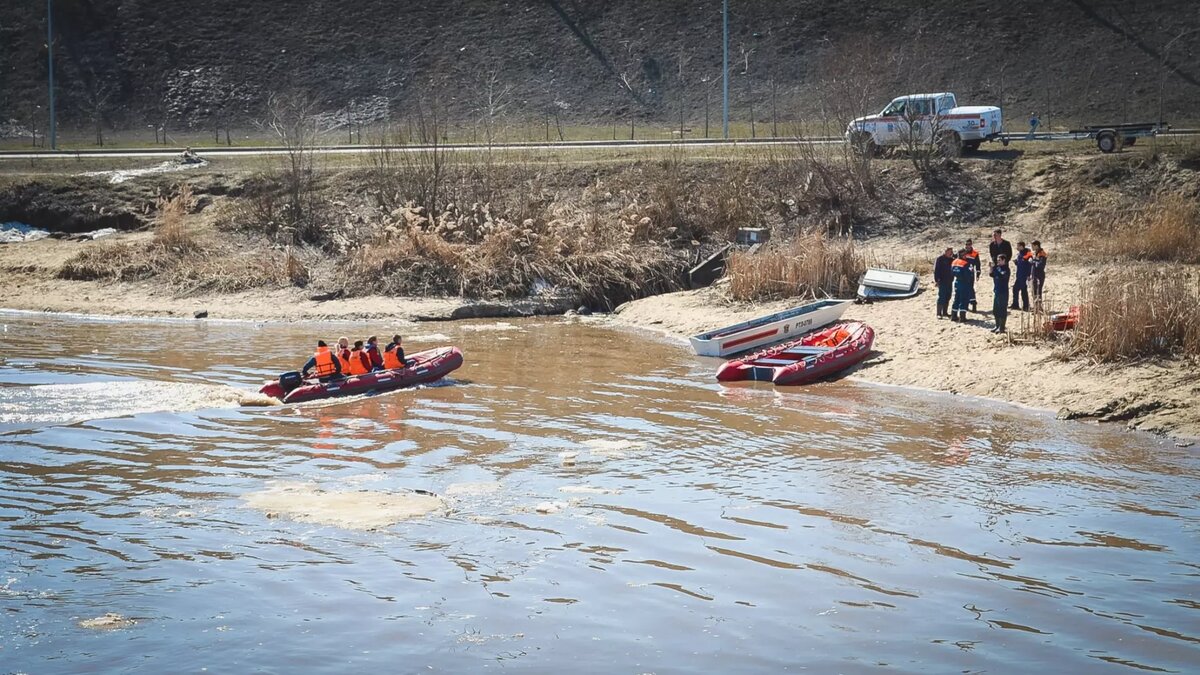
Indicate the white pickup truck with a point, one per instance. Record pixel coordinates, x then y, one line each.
926 118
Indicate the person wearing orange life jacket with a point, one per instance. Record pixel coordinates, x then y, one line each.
360 363
343 353
973 261
964 286
393 355
323 364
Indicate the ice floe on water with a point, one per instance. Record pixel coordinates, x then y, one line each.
350 509
432 337
495 326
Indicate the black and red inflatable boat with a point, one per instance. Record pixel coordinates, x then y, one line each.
422 367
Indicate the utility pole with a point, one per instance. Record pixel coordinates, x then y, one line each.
725 66
50 70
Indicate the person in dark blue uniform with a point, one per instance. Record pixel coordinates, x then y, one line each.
1023 261
964 285
944 278
1000 275
973 261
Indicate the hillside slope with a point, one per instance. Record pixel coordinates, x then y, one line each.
125 63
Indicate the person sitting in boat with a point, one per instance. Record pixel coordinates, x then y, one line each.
393 355
372 350
360 363
343 353
323 364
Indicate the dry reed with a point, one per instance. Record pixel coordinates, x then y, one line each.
1137 313
1164 228
811 265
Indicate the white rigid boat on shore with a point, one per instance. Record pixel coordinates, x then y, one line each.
765 330
881 284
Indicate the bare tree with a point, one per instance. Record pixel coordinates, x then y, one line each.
291 117
495 97
925 136
96 96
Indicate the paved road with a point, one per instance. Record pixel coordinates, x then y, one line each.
360 149
251 151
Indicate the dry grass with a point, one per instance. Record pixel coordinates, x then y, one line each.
1137 313
190 261
602 265
812 265
1163 228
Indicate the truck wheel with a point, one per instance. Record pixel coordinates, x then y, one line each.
971 146
864 145
1106 140
949 144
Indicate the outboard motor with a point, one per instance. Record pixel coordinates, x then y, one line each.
280 388
290 381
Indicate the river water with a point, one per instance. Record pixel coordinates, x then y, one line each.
605 506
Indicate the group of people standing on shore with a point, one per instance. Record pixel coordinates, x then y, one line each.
956 274
347 361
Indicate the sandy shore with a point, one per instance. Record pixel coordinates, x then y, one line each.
915 349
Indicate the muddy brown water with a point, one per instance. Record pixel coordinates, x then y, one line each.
607 507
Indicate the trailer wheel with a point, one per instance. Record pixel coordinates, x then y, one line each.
1106 140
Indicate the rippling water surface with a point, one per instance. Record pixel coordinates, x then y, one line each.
607 508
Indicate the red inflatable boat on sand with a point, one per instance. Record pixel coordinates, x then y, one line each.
423 367
812 357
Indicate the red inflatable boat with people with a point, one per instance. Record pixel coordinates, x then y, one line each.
420 368
816 355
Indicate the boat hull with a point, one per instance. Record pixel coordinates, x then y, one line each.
765 330
881 284
423 367
782 366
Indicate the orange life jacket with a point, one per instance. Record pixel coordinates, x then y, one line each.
391 360
973 253
324 363
959 262
359 363
343 357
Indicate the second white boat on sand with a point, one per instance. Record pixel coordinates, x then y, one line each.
768 329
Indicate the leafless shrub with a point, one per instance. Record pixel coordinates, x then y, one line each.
813 265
